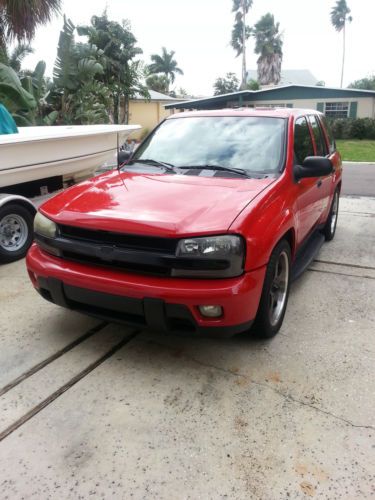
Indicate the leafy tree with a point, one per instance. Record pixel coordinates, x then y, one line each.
226 85
77 94
18 20
181 92
159 83
268 45
339 17
121 74
39 87
241 33
364 83
14 59
24 92
12 93
166 64
252 85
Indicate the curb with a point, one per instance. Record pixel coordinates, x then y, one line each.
359 162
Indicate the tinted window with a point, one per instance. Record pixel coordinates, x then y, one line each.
302 140
327 128
321 149
249 142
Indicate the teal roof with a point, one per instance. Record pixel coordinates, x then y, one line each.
285 92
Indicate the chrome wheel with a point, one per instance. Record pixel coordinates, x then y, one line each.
13 232
334 212
279 288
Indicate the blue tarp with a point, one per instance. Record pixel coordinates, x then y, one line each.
7 124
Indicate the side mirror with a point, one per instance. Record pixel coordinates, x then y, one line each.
124 156
313 166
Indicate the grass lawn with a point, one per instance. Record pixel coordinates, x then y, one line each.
356 150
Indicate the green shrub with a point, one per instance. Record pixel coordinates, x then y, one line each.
349 128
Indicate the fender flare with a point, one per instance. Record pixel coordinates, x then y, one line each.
15 198
261 247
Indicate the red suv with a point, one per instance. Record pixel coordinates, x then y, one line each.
202 230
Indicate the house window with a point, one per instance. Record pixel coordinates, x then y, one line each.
336 109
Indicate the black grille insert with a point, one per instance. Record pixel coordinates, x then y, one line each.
131 241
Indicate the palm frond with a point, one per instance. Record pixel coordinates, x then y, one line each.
19 21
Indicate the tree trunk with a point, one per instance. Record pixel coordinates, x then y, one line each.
343 56
116 106
126 109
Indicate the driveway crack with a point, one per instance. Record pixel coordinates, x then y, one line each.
282 394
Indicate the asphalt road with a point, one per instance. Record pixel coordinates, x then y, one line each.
96 410
359 179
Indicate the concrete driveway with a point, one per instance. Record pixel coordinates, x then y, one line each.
359 179
89 409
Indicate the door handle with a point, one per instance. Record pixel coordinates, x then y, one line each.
319 183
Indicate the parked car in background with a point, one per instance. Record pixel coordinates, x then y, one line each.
202 230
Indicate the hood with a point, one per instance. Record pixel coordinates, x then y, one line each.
157 204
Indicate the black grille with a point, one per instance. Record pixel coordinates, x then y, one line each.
118 265
130 241
154 250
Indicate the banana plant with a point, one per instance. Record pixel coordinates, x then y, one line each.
12 93
76 92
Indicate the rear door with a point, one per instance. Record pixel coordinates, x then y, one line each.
309 197
321 149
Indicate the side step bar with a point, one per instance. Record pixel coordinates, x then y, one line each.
307 254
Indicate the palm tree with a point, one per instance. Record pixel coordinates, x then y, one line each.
268 44
19 21
14 59
339 15
240 33
165 64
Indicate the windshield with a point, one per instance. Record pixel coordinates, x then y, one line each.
255 144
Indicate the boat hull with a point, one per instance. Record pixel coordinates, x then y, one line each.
42 152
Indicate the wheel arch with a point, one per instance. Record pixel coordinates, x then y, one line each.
6 199
290 237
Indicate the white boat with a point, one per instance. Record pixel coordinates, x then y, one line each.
42 152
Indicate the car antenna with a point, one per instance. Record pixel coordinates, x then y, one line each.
118 161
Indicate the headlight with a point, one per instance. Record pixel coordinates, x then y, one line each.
44 226
211 256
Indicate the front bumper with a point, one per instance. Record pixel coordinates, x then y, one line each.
165 304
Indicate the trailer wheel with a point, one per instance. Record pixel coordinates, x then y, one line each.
16 232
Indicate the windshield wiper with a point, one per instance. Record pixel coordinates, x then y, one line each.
156 163
239 171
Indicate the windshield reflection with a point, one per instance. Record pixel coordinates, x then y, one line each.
252 143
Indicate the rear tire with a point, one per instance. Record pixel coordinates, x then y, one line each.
329 229
275 293
16 232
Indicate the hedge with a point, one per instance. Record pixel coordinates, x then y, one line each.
349 128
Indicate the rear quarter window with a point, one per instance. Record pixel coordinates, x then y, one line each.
320 141
328 131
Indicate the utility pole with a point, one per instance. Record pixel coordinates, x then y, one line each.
244 75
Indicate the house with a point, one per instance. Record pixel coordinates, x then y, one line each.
334 102
289 77
149 112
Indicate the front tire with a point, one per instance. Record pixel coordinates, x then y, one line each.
329 229
16 232
275 293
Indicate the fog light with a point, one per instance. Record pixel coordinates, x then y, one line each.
211 311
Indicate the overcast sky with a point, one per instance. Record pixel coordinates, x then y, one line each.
199 32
